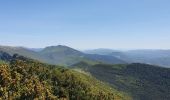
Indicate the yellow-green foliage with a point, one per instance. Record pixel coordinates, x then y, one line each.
27 79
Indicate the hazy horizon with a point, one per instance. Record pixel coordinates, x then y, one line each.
88 24
85 49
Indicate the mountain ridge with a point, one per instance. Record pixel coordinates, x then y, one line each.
60 55
148 56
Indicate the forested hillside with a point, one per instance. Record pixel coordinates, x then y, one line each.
25 79
142 81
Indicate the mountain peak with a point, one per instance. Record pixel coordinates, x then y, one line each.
57 47
60 49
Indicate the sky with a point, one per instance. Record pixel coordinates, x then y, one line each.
86 24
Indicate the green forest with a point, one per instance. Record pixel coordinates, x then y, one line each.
26 79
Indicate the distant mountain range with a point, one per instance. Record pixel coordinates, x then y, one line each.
154 57
61 55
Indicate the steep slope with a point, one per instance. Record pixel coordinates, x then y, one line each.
26 79
144 82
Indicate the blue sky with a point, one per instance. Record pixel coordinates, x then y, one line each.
86 24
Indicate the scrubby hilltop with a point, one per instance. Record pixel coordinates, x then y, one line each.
25 79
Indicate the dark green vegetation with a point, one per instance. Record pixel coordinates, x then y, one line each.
25 79
61 55
142 81
5 56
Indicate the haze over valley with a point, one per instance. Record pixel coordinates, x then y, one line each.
84 50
